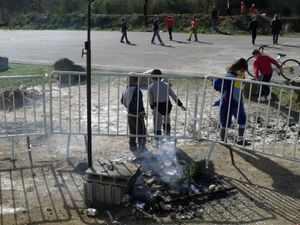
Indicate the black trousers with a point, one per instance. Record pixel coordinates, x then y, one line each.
254 34
265 90
170 33
275 38
124 35
136 127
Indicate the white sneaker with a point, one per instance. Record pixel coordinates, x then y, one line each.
262 98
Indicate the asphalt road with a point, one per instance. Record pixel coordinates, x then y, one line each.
210 55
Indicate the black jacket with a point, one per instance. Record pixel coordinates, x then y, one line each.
133 101
275 26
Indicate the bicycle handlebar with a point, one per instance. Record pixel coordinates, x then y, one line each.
261 48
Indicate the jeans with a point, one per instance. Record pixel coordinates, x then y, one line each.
156 33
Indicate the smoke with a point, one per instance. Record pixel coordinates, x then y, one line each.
165 165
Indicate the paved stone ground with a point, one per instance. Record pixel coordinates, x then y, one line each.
208 56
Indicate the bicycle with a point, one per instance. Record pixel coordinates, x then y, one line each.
290 68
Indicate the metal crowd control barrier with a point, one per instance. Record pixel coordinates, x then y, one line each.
272 125
109 116
22 106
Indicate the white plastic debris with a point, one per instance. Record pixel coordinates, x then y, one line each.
90 212
211 187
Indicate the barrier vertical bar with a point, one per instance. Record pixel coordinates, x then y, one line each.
197 92
44 109
50 104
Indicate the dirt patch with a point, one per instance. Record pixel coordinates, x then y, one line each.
267 189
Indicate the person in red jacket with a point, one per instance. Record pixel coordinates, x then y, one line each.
263 71
170 21
253 10
193 29
243 8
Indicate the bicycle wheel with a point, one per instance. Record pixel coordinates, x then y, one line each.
290 69
250 62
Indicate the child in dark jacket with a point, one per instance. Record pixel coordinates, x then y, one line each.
124 31
132 99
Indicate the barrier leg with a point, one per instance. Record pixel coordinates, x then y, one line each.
85 142
211 149
68 147
231 156
29 151
12 149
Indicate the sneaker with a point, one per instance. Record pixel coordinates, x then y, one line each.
188 39
122 41
143 148
156 143
262 98
128 42
162 43
133 148
153 43
242 142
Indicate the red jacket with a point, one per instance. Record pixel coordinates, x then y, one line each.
243 9
253 10
170 22
194 24
263 65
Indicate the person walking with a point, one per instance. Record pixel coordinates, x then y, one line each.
231 102
194 25
252 9
214 18
228 8
155 29
243 8
263 71
253 27
170 21
158 95
132 99
275 28
124 31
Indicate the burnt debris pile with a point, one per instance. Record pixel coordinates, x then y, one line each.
172 184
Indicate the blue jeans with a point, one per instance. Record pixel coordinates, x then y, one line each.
156 33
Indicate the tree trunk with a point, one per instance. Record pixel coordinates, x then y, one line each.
146 12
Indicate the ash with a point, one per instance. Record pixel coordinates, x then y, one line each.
173 184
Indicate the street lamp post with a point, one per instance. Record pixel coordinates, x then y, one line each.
87 52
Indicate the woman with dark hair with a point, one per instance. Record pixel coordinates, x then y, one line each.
231 102
275 28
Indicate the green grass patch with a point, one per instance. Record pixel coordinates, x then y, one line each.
24 70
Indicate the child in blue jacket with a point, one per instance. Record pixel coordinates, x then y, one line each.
231 102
